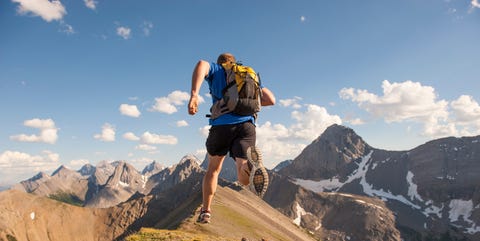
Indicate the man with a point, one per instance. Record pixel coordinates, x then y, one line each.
228 133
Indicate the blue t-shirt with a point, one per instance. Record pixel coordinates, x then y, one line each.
217 82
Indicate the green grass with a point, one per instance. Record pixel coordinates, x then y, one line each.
69 198
150 234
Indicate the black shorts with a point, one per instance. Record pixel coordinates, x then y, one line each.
235 139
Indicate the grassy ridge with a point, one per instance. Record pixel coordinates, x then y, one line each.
150 234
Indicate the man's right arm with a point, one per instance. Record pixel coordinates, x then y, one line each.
199 73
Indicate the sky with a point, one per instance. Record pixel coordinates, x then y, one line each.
85 81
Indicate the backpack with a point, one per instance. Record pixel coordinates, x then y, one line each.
242 94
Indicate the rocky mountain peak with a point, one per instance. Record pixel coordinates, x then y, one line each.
39 176
333 153
87 170
125 175
152 168
63 171
343 138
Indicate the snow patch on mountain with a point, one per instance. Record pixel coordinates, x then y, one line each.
334 184
463 208
300 213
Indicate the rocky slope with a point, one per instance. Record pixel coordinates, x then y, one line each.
237 214
433 189
332 216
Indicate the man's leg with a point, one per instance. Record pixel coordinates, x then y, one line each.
243 172
210 179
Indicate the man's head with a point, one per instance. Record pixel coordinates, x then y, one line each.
225 58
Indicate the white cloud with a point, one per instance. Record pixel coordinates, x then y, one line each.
275 144
204 131
466 112
147 27
150 138
182 123
356 121
77 164
313 122
201 153
279 142
48 10
108 133
145 147
129 110
66 28
168 104
291 102
124 32
92 4
131 137
48 131
475 4
406 101
14 164
303 19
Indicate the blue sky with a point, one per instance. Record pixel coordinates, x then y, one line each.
86 81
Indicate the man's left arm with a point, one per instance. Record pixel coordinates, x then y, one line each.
268 98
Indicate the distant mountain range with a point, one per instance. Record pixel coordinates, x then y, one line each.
433 189
338 188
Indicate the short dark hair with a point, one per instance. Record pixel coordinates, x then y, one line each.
226 57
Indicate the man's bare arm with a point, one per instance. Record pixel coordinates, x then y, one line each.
199 73
267 97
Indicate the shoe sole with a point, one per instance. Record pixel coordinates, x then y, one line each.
258 174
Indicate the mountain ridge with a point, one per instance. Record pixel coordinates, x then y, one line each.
426 186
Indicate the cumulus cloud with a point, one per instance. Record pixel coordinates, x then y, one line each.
200 153
92 4
294 102
400 101
275 142
150 138
145 147
279 142
15 164
310 122
169 103
130 136
124 32
204 131
356 121
466 112
48 10
182 123
475 4
129 110
48 131
108 133
406 101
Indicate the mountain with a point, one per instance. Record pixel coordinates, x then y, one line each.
433 189
31 217
152 169
332 216
281 165
174 175
106 185
229 168
123 182
63 181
